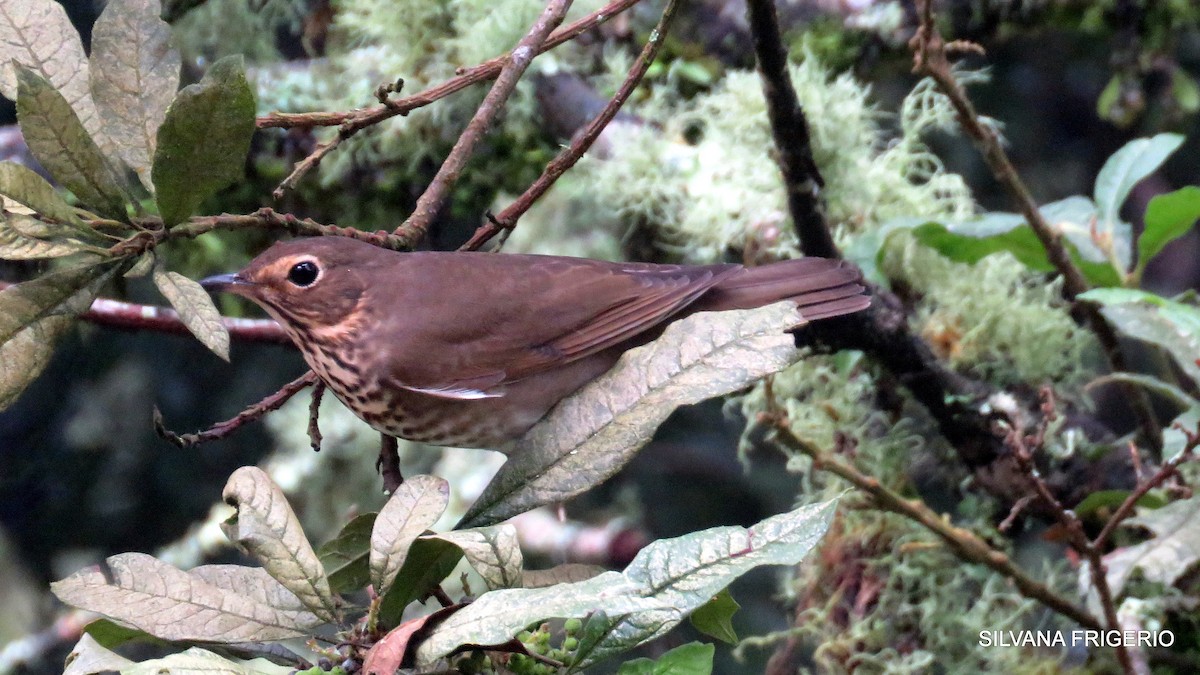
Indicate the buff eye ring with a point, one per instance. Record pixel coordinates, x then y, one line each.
304 273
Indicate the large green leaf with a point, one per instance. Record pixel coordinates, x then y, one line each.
667 581
203 142
1125 169
1168 555
694 658
1168 217
134 76
58 140
1145 316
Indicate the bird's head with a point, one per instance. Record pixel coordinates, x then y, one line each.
309 282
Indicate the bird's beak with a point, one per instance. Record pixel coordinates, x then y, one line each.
224 282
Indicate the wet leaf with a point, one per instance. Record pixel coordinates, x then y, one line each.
667 581
694 658
1164 558
345 556
715 617
203 141
134 76
413 508
173 605
589 436
58 140
39 35
196 309
24 185
494 552
1168 217
266 527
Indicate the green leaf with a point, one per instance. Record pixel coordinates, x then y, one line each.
715 617
429 561
1111 499
16 244
196 309
589 436
1171 325
134 76
667 580
25 186
413 508
203 142
345 556
1185 91
1125 169
109 634
695 658
34 315
1168 217
39 35
60 142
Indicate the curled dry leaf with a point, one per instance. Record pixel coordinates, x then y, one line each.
494 552
266 527
413 508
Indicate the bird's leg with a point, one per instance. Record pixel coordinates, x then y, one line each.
388 464
314 408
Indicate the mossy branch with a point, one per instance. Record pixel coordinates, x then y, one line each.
965 544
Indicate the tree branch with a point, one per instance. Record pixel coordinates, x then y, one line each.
434 197
801 178
581 141
250 414
930 58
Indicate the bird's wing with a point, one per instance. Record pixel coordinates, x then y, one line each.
535 313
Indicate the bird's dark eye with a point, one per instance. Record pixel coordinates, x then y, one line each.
303 273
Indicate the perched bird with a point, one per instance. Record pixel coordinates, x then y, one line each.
471 349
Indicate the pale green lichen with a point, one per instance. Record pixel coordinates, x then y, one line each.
994 319
721 191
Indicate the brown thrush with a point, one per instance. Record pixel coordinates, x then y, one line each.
470 349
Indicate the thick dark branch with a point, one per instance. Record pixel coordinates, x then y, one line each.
581 141
434 197
800 175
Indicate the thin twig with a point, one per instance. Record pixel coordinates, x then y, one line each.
488 70
789 127
1022 448
430 203
223 429
314 411
1168 469
581 142
965 544
131 316
930 58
